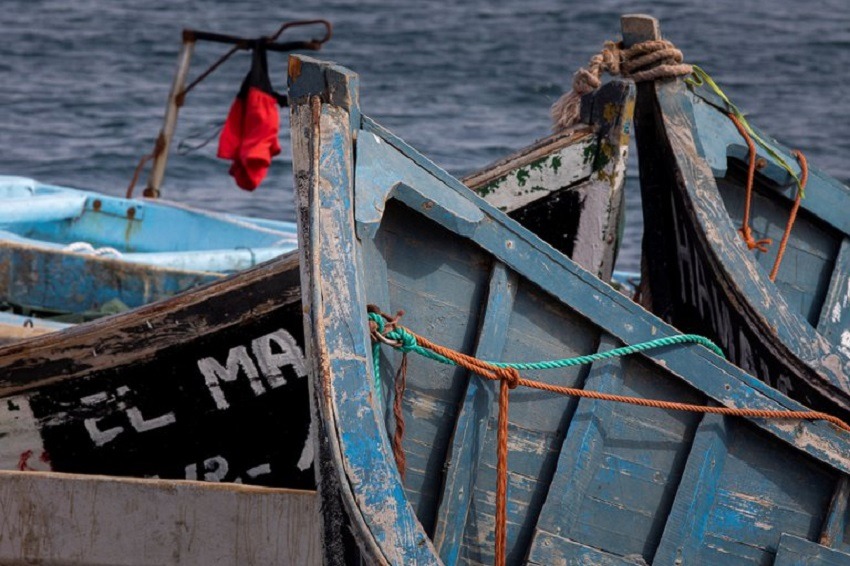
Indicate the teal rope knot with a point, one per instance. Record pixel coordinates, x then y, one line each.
406 341
378 320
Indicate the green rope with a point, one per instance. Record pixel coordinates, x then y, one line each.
376 358
407 343
700 78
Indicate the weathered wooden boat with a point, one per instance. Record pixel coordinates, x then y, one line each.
71 251
587 481
185 388
791 332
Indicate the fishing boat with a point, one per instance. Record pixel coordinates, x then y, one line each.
72 251
82 254
709 263
408 444
185 388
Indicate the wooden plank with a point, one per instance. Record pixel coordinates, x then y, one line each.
537 423
599 227
498 170
548 549
470 426
725 511
453 284
835 314
618 467
531 180
69 519
796 551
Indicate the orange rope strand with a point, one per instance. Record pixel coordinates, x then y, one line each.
745 231
509 378
398 436
804 168
488 372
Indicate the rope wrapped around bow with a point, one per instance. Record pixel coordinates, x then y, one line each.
647 61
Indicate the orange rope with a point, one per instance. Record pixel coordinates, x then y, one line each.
509 378
746 233
804 168
398 436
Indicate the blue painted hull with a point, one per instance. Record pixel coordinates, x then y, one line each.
588 482
71 251
792 332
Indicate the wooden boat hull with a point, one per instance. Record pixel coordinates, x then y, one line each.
699 274
209 385
588 481
70 251
568 188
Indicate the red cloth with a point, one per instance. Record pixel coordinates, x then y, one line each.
250 134
249 137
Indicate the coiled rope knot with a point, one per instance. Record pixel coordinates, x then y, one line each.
647 61
508 375
386 328
753 244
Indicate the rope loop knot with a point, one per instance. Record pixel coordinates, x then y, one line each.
646 61
753 244
508 375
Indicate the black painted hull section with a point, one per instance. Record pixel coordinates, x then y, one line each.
224 397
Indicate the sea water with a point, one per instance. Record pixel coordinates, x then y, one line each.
84 82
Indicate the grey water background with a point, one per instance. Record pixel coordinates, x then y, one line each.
84 82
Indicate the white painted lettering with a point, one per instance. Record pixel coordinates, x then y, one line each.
138 422
261 470
273 353
101 437
307 455
272 364
214 372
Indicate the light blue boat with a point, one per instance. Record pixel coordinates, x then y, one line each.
65 250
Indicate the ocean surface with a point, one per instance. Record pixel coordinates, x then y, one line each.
84 82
